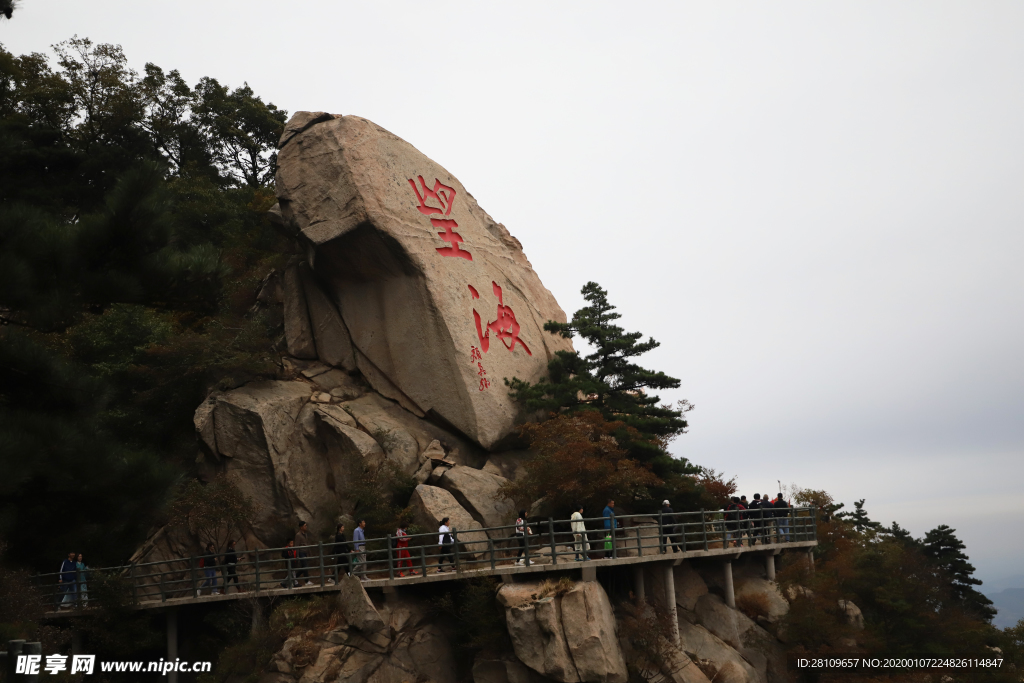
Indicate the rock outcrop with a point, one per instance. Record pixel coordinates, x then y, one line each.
436 299
477 491
396 642
431 504
568 638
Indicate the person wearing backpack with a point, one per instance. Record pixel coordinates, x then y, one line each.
208 564
445 541
342 554
732 516
230 561
522 529
303 539
756 515
401 541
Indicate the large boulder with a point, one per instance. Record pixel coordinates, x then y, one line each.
535 626
753 643
505 668
730 667
589 625
431 504
762 595
477 491
690 586
438 299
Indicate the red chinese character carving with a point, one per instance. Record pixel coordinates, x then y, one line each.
484 383
474 354
505 327
443 194
481 371
475 294
450 236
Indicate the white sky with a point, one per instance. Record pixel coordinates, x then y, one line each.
815 207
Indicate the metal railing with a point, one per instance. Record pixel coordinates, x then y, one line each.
546 542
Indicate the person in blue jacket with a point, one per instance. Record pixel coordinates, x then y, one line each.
610 524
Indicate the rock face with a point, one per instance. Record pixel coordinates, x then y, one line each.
764 592
569 638
477 491
397 642
438 300
753 643
431 504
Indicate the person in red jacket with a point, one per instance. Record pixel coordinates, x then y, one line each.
402 544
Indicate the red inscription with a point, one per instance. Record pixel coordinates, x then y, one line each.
484 383
475 294
474 355
505 328
451 237
442 194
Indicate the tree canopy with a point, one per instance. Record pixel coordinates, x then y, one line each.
133 238
611 382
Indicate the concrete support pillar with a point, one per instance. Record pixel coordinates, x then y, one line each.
256 616
638 582
730 592
589 573
390 594
508 578
670 598
76 641
769 566
172 642
810 561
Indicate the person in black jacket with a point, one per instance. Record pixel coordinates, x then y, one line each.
756 515
733 511
342 553
782 517
230 560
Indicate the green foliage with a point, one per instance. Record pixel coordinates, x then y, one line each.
858 518
578 462
379 493
610 382
215 513
946 552
133 240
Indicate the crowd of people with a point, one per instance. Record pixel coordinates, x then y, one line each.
758 520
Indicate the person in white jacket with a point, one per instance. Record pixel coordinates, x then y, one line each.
579 534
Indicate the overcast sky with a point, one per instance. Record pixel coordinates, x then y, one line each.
816 208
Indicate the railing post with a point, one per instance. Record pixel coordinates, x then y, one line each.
192 567
639 543
814 523
163 593
320 549
490 548
551 539
257 563
135 588
423 559
391 560
526 544
455 542
661 532
704 528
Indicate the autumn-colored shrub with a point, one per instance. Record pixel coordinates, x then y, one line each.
754 605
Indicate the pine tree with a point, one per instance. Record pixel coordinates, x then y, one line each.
610 382
859 518
946 552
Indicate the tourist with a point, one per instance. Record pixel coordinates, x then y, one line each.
610 525
68 579
782 517
230 560
669 527
289 556
302 542
208 564
732 516
444 539
745 520
359 544
522 529
342 553
756 519
402 545
83 587
579 534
